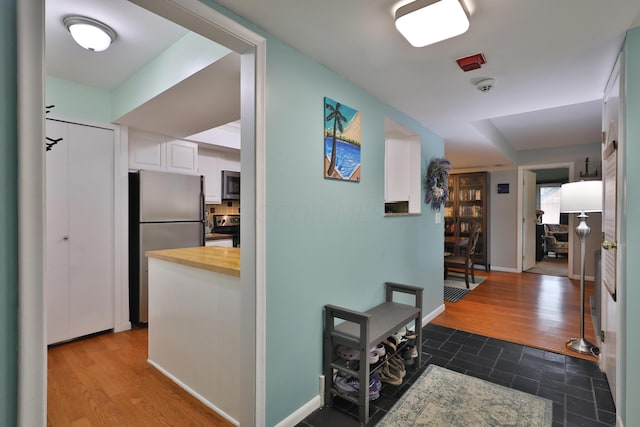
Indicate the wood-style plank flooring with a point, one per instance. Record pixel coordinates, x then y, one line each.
531 309
105 380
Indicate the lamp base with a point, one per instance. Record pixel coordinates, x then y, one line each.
580 345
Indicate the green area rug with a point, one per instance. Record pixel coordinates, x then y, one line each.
441 398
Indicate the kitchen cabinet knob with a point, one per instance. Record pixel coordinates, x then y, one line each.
65 238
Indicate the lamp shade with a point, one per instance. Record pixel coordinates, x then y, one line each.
425 22
581 196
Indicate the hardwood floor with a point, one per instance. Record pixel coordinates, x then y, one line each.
105 380
531 309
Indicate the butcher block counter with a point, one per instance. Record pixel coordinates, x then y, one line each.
194 318
213 258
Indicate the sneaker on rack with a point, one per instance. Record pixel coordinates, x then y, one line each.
409 334
406 356
380 349
397 338
350 385
348 353
343 385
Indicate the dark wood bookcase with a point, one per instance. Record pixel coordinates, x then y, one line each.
468 203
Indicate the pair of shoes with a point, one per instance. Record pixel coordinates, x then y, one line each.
350 385
380 349
348 353
409 334
396 366
402 335
389 345
409 353
388 376
397 338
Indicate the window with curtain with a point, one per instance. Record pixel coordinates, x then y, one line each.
549 202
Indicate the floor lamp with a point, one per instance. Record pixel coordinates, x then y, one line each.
581 197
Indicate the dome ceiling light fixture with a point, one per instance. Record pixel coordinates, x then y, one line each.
90 33
425 22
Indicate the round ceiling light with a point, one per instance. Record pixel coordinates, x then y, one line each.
89 33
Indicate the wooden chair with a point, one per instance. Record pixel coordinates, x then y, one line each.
462 258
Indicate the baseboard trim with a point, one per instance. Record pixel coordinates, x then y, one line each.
301 413
430 316
193 393
505 269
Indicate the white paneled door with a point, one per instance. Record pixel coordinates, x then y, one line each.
79 188
610 217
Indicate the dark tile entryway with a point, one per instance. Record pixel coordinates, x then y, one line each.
578 389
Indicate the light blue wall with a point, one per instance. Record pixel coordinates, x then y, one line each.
187 56
328 241
77 100
630 295
8 216
182 59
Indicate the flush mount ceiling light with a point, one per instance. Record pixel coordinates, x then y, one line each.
425 22
89 33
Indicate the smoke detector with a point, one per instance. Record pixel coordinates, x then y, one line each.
485 85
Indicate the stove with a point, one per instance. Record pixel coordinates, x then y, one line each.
228 224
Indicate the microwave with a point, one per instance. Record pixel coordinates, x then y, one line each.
230 185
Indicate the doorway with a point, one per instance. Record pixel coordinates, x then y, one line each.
552 227
529 243
196 17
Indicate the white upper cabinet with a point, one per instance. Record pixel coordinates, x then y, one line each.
396 171
208 164
211 163
146 151
149 151
402 181
182 157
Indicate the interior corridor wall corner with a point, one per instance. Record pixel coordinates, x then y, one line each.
628 408
8 215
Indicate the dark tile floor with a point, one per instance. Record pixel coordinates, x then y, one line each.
578 389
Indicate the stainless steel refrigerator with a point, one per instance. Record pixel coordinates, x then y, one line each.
166 211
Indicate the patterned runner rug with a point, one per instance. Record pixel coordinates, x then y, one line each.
442 398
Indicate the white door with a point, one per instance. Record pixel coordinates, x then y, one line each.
528 220
91 229
609 304
79 272
56 283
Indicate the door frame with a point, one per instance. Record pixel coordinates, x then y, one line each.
32 356
519 238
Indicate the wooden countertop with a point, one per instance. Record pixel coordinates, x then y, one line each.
212 258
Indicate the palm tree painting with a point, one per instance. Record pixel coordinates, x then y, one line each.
341 141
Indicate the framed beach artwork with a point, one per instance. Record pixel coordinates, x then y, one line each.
341 141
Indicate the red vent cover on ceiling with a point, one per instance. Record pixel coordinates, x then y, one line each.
472 62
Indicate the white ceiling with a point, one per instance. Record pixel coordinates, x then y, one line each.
550 58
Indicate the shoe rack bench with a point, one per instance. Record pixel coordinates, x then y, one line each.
362 331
